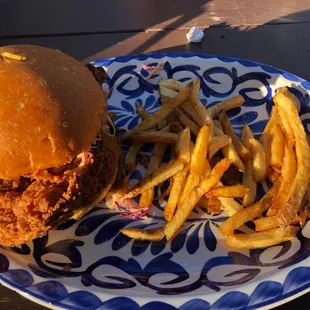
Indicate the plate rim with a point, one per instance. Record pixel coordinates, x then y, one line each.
160 55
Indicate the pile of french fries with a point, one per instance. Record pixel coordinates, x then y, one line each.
204 146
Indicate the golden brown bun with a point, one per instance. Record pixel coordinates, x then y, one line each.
51 109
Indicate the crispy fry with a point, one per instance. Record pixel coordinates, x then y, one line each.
230 205
288 173
131 156
198 165
277 146
226 105
154 136
178 184
171 84
249 182
265 138
141 111
186 122
183 146
182 213
262 239
203 203
191 111
243 152
214 205
147 197
185 208
266 223
246 135
272 174
215 175
234 191
161 113
155 234
286 106
200 151
249 213
259 160
166 92
229 151
217 143
200 108
160 175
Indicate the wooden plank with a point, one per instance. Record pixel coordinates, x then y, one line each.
35 17
284 46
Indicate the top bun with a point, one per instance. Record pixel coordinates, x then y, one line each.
51 109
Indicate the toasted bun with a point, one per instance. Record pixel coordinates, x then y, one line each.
51 109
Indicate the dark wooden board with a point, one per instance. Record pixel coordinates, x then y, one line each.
51 17
284 46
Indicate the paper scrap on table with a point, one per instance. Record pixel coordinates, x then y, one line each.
195 35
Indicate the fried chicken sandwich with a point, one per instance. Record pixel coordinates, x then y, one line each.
58 155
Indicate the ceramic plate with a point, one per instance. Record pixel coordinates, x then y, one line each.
90 265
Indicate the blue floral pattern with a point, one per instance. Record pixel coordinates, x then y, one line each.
91 265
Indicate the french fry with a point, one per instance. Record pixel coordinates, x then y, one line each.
147 197
182 213
154 136
286 106
243 152
217 143
178 184
186 207
230 205
186 122
155 234
259 160
215 175
183 146
266 223
161 113
214 205
234 191
248 176
141 111
131 157
171 84
191 111
249 182
247 214
262 239
200 108
265 138
160 175
226 105
229 151
288 173
200 151
272 174
246 135
198 164
166 92
203 203
277 147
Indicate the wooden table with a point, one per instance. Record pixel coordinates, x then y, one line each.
266 31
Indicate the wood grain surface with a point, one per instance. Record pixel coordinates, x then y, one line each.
271 32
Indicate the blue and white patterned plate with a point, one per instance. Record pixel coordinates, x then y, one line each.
90 265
